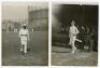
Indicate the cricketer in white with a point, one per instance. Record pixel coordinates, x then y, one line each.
73 32
24 38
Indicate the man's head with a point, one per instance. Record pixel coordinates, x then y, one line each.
73 23
24 26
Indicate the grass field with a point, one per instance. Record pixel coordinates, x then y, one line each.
62 56
38 54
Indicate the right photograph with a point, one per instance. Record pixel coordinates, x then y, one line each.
74 34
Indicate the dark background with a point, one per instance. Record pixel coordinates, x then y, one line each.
84 15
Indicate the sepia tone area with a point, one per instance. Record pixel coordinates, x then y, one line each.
86 20
35 15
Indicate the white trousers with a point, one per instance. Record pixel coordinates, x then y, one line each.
72 42
23 46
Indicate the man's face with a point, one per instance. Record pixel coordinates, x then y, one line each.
73 23
24 27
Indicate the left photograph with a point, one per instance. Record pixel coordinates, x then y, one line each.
24 34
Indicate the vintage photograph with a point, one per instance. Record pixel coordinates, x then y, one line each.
74 34
24 34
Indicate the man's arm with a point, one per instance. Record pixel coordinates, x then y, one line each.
77 31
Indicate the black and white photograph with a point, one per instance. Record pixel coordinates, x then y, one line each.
74 34
24 34
50 33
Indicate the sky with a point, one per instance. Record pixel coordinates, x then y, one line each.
18 11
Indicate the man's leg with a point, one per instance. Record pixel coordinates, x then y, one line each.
25 47
22 45
70 40
78 40
73 45
73 48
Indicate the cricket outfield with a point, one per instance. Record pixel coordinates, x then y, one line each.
38 54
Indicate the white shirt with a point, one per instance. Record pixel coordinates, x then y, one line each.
73 30
24 34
